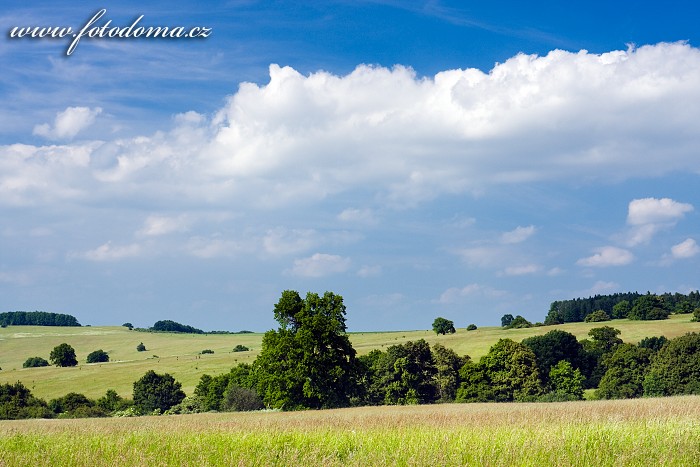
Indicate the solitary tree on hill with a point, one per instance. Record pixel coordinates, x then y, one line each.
443 326
63 355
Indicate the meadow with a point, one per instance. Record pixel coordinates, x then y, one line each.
601 433
179 354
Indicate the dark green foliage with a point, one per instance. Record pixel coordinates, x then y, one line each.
63 355
37 318
519 322
141 347
648 307
553 347
625 369
605 338
447 366
17 402
211 389
404 374
128 325
696 315
506 320
154 391
597 316
443 326
206 351
653 343
471 327
112 402
621 310
98 356
507 373
675 369
240 348
309 361
172 326
238 399
571 311
74 405
33 362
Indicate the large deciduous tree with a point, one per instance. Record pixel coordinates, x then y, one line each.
63 355
308 362
443 326
675 369
154 391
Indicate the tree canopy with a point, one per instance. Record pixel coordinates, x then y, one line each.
443 326
155 391
63 355
308 362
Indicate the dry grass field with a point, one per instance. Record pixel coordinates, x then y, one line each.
178 354
588 433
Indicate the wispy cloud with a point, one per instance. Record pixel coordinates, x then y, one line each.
320 265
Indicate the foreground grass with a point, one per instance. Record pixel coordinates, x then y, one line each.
178 354
601 433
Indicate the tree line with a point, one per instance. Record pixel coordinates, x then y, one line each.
308 362
621 305
36 318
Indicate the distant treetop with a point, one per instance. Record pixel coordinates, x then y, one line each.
172 326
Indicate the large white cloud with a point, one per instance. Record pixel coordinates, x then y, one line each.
686 249
647 216
399 138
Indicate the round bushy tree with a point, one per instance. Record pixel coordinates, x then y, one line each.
63 355
154 391
443 326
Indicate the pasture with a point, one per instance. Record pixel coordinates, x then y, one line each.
179 354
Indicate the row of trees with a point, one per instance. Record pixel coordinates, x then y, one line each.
630 305
63 355
309 363
36 318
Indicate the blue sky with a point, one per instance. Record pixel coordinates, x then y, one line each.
422 159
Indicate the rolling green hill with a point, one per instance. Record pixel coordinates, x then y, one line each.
178 354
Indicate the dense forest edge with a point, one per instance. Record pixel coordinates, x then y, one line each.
308 362
36 318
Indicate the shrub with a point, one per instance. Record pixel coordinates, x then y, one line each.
128 325
240 348
112 402
17 402
34 362
519 322
696 315
98 356
240 399
471 327
597 316
206 351
141 347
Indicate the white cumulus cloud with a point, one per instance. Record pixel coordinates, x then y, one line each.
607 256
686 249
647 216
68 123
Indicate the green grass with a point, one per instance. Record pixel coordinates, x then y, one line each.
600 433
178 354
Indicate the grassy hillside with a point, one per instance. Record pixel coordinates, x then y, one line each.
178 354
